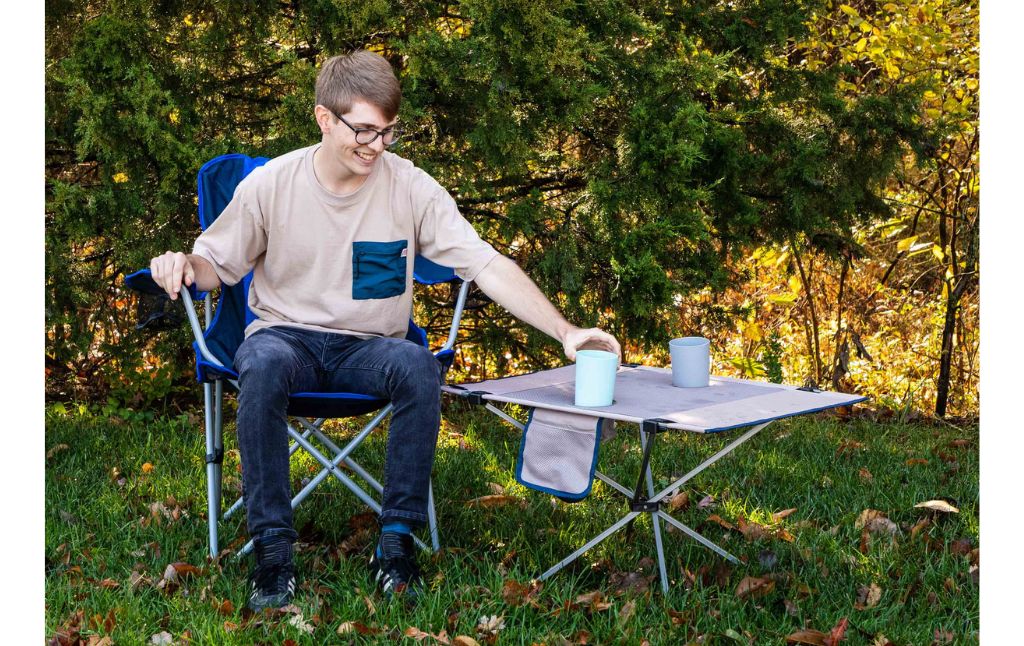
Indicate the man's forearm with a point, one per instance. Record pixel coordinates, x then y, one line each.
206 278
509 286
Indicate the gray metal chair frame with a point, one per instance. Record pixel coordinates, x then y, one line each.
213 397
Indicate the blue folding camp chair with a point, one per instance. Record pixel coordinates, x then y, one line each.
223 331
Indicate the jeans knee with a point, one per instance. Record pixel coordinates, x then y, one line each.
417 367
264 361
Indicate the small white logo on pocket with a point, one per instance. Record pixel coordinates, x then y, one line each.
405 252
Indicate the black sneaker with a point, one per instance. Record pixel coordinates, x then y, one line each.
271 586
393 566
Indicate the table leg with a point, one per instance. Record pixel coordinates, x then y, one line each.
655 522
594 541
697 537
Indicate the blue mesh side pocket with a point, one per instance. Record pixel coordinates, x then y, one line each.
378 269
558 453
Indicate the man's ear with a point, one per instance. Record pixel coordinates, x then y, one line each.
323 118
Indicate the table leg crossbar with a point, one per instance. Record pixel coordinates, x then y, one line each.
644 500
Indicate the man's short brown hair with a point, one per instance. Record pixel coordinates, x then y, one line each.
360 75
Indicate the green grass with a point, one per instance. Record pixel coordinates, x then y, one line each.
98 492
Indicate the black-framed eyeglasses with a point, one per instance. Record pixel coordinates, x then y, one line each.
365 136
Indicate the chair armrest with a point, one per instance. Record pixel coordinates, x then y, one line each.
155 310
142 282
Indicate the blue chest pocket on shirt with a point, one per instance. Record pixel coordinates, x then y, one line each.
378 269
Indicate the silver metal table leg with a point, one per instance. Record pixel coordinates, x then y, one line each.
594 541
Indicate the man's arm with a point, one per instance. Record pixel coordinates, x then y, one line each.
174 268
507 285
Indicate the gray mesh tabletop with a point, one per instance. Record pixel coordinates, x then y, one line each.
643 392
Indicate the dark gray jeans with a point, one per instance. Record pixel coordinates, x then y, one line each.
274 362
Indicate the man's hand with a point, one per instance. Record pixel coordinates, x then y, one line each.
171 270
589 339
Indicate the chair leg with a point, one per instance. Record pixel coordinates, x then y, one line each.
218 439
212 475
432 519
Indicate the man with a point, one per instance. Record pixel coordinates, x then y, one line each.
329 232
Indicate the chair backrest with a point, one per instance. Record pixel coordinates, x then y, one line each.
217 181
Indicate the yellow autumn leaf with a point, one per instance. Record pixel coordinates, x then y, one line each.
794 284
174 117
906 243
120 178
188 20
861 44
783 299
752 331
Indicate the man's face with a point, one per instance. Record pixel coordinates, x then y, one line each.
355 159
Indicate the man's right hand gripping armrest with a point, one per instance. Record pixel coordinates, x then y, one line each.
174 268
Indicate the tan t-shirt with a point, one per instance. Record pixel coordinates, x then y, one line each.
338 263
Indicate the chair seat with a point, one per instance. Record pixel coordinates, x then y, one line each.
333 404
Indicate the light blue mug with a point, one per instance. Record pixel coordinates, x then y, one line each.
595 377
691 361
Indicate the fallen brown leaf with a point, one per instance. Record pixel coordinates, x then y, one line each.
594 601
918 526
837 633
514 593
754 587
681 618
358 627
487 626
792 609
225 607
136 580
848 446
865 475
630 582
962 546
496 488
868 596
912 461
751 530
779 515
715 518
882 525
55 450
938 505
371 608
807 637
463 640
865 516
679 501
627 611
495 501
162 638
416 633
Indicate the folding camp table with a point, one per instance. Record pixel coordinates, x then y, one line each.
645 396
